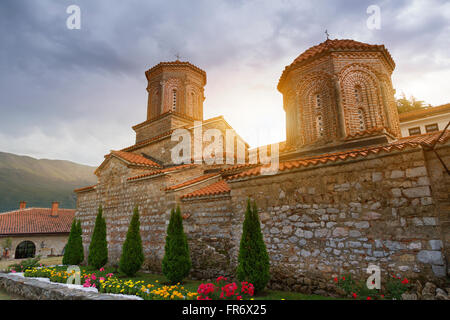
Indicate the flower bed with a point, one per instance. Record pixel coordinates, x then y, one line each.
225 290
394 288
106 282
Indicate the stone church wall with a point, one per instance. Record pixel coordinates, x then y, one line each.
335 219
389 209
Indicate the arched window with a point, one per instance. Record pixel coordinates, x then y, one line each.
25 249
318 101
319 121
362 121
358 95
174 100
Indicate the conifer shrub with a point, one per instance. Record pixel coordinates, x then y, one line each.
132 253
70 251
79 243
176 263
98 248
253 260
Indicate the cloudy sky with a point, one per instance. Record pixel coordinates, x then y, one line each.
74 94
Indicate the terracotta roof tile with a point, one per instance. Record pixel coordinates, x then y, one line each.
136 159
176 63
166 170
147 141
401 144
36 221
220 187
85 189
193 181
424 112
332 45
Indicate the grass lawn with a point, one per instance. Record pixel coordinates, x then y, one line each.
47 261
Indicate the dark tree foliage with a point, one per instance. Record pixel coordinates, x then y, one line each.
176 263
132 252
70 251
253 260
98 248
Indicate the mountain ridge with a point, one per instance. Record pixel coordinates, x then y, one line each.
40 181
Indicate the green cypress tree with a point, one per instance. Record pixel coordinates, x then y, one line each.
79 243
176 263
132 252
253 260
98 248
69 257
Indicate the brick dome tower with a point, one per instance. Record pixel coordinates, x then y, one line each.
175 98
339 94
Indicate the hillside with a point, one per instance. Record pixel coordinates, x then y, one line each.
39 182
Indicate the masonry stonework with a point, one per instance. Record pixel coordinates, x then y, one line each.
358 195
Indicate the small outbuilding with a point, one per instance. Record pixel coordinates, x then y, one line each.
28 232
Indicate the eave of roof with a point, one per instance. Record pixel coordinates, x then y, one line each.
424 112
408 142
192 182
218 188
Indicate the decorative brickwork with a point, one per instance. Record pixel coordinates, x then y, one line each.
338 89
348 192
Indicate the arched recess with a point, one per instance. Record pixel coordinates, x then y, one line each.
171 85
155 101
291 121
360 91
317 99
25 249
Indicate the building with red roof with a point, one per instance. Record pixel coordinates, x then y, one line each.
347 189
28 232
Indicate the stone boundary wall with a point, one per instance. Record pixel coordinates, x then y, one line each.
33 289
338 218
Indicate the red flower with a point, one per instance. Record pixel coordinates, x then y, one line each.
335 279
343 278
354 295
405 281
382 295
369 298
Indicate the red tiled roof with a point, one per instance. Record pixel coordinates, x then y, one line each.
136 159
336 45
408 142
130 158
193 181
36 221
156 172
176 63
424 112
147 141
84 189
220 187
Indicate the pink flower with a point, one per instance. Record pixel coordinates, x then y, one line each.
102 269
102 279
86 285
93 277
13 271
109 275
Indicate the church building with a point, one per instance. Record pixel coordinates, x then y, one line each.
348 192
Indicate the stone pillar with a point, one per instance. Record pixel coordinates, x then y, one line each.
340 108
